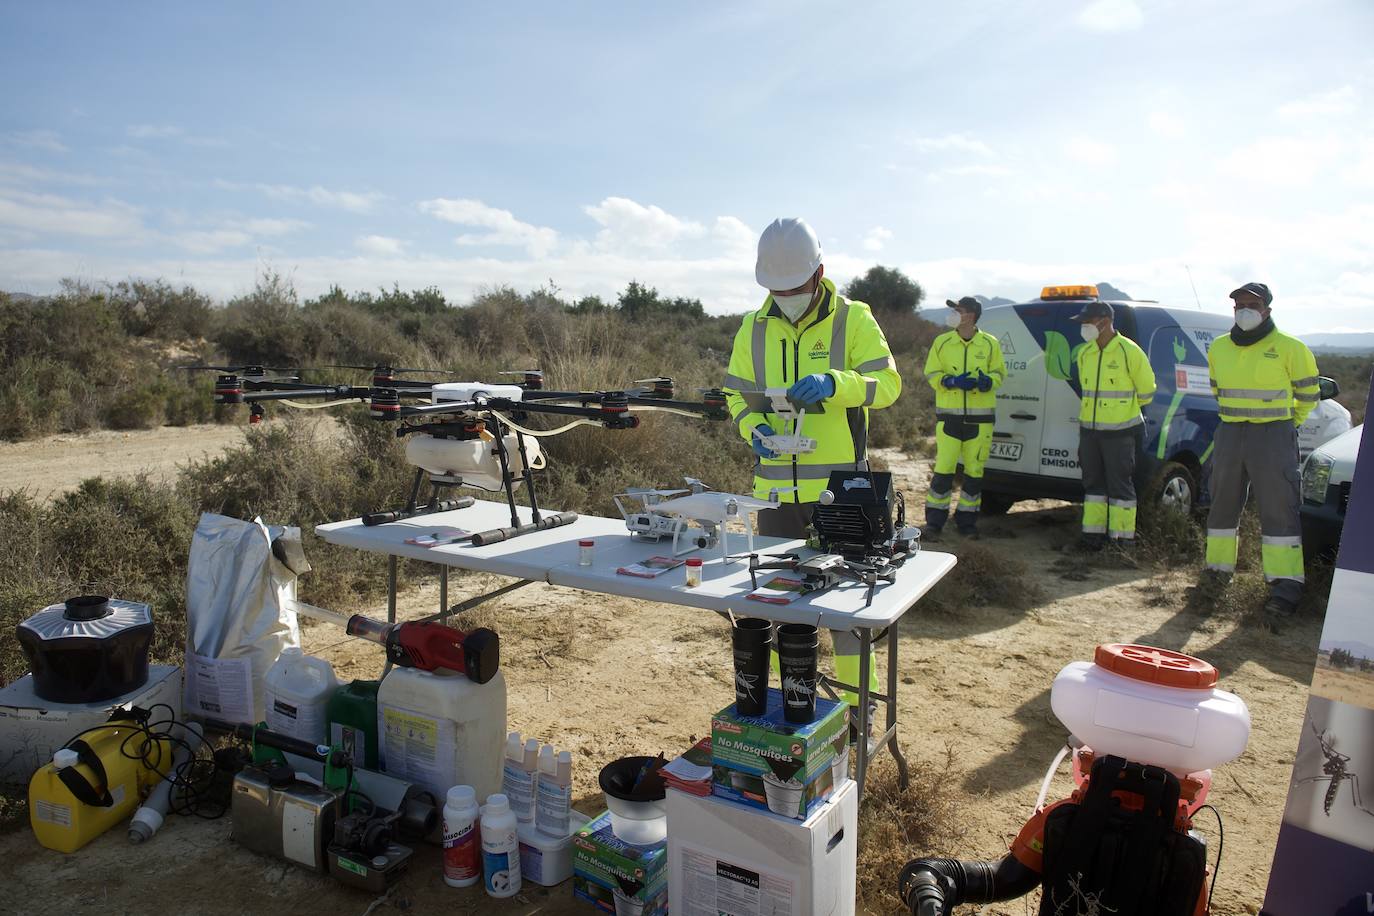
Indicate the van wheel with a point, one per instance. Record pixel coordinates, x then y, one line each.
996 504
1175 488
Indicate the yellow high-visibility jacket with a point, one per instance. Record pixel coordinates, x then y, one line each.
839 337
1274 378
1116 381
950 354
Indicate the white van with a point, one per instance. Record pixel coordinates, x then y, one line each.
1034 452
1326 477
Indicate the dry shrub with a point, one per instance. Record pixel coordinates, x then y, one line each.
984 576
1168 538
897 825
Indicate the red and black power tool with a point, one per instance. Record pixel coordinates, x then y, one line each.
427 646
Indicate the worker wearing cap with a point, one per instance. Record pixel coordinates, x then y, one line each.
826 350
965 368
1265 383
1116 382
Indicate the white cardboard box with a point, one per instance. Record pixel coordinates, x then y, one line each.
31 728
729 858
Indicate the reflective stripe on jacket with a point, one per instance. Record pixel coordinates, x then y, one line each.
951 355
1116 381
839 337
1274 378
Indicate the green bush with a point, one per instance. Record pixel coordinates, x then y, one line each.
137 407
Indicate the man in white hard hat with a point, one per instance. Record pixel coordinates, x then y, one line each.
822 348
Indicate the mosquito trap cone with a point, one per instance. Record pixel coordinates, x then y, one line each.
635 791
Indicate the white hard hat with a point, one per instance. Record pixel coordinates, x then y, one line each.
789 254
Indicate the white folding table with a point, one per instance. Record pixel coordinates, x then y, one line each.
552 556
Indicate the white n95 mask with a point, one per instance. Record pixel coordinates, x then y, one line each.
1248 319
1090 332
794 306
953 319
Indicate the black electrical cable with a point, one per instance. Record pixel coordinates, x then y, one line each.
191 777
1221 842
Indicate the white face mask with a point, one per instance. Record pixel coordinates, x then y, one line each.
1248 319
954 319
793 306
1089 332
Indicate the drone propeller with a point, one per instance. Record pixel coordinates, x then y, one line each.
649 491
696 485
376 366
239 370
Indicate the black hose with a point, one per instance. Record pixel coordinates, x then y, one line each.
934 887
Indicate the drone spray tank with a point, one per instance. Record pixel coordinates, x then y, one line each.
1146 728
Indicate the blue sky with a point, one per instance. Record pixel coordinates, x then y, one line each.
989 147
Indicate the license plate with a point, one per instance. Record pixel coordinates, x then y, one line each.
1005 451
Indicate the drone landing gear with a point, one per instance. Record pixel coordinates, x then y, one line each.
413 510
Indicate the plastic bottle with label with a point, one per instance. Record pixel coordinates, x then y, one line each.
462 838
522 803
500 848
296 695
352 714
554 797
516 784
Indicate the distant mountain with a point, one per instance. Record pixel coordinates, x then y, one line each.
1353 646
1354 342
19 297
1107 291
995 300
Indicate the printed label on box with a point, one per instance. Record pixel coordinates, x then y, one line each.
221 688
419 748
715 887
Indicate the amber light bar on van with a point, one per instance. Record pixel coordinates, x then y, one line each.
1069 292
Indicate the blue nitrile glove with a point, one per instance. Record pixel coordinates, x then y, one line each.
984 381
967 382
812 388
763 451
949 381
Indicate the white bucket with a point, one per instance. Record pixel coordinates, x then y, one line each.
784 796
296 695
627 906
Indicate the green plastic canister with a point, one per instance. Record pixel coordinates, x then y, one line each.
352 714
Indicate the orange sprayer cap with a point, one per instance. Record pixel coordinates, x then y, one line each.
1156 666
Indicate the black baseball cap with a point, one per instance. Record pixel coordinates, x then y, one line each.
1256 289
1093 310
968 304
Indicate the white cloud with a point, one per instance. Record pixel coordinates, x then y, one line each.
503 228
153 131
274 227
969 171
1282 161
1166 124
958 143
735 236
45 140
630 225
49 213
379 245
352 201
1089 151
22 173
234 234
1334 102
1111 16
875 238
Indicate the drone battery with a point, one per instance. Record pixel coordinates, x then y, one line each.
467 391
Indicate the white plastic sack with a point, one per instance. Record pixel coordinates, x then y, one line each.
240 585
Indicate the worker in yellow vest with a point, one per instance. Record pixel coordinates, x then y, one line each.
1265 383
1116 381
822 348
965 368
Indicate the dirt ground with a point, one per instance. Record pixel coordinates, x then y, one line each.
605 677
54 464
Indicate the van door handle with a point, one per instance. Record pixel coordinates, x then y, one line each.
1023 416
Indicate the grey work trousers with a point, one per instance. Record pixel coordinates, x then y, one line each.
1107 460
791 520
1265 455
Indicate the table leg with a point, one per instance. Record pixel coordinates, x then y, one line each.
902 779
390 601
443 589
861 769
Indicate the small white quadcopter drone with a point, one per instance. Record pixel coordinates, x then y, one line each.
698 512
774 401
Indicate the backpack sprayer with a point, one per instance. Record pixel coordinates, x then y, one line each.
1123 842
310 805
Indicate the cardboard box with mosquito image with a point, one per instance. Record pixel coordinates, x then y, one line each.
616 876
769 763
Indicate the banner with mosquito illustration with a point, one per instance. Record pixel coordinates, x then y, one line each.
1324 861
